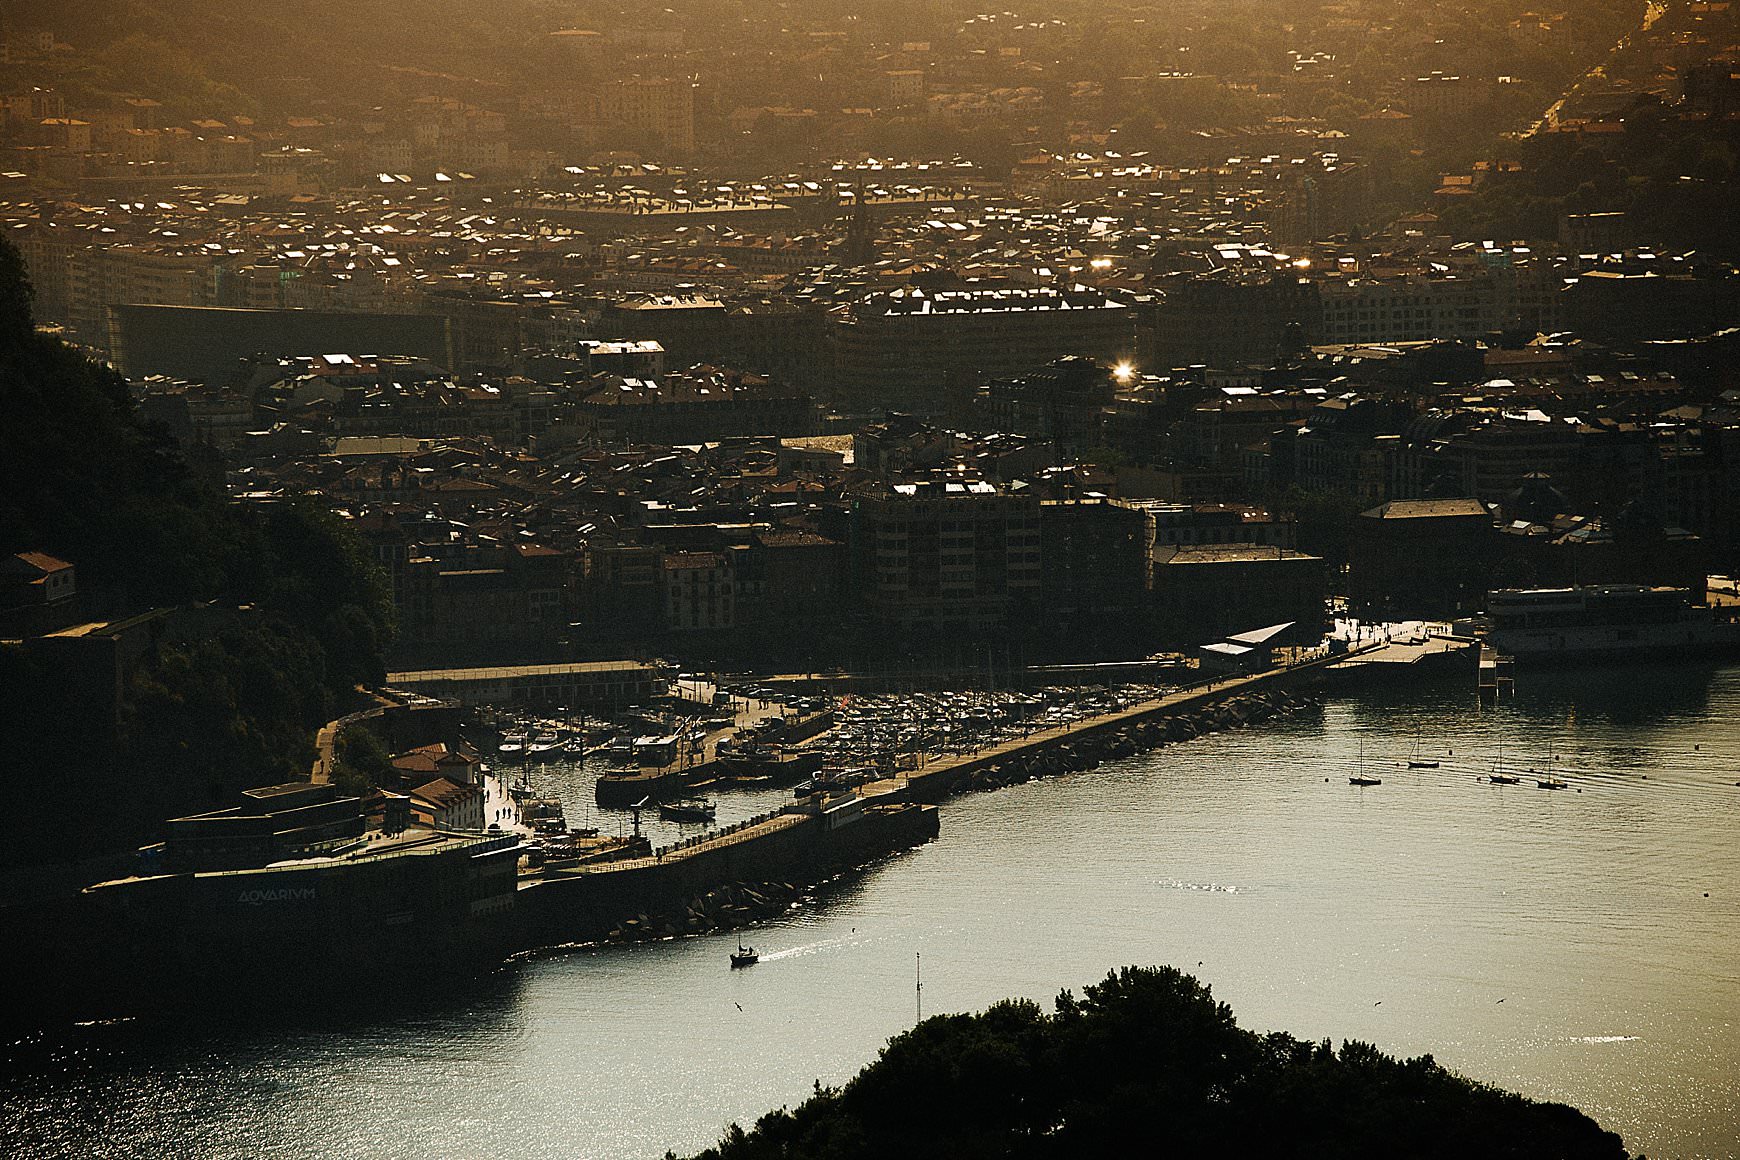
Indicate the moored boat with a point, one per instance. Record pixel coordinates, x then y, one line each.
1498 776
544 747
688 810
1360 778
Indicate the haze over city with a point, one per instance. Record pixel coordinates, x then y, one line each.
870 577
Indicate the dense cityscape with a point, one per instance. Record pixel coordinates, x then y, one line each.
618 476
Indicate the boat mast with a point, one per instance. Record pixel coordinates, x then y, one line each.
918 985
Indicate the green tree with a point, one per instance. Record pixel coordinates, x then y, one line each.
283 612
1147 1063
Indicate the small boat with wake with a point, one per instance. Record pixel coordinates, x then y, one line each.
744 956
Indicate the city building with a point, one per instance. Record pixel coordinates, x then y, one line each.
943 556
1421 558
911 349
1208 593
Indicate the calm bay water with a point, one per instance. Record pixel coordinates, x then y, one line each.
1560 944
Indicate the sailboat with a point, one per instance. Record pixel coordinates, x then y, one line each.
1547 780
1498 776
1415 761
1360 778
743 956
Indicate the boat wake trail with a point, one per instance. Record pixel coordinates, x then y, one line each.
809 949
1211 887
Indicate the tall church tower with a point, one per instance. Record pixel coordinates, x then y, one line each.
859 248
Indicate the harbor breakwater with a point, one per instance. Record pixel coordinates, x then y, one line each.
741 902
666 895
1088 748
1086 744
1220 703
798 849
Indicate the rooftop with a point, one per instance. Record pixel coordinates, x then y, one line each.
1414 509
1233 554
496 672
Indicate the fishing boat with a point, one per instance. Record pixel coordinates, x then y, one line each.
688 810
743 956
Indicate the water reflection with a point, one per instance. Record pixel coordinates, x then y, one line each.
1558 943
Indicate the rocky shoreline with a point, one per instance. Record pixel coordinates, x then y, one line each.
728 907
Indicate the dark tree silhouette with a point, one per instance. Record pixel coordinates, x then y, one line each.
1146 1063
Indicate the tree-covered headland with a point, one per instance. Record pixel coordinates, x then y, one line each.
1146 1063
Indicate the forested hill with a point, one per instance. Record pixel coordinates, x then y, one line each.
223 54
1146 1063
283 613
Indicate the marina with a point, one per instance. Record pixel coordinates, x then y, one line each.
578 884
1228 856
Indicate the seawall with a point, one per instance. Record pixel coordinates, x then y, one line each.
800 848
1178 716
590 902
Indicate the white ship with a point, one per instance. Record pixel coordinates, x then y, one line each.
1606 621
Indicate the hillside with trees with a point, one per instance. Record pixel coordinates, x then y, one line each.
1146 1063
268 616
